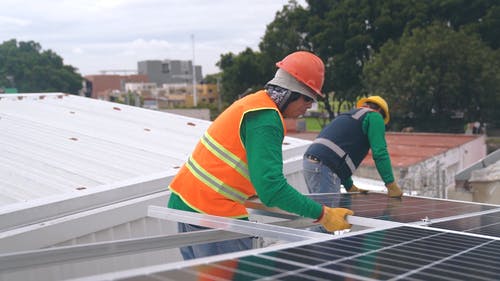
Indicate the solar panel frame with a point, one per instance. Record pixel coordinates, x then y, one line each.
431 239
424 255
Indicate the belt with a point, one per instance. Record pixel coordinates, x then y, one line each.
313 158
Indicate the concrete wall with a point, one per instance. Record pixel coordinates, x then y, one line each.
486 192
483 186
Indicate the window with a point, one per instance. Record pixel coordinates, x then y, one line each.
165 68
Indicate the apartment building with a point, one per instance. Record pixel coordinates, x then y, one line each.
104 86
170 71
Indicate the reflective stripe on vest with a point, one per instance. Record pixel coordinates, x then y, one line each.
225 155
337 150
360 113
212 181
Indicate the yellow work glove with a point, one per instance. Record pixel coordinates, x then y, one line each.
333 219
393 190
356 189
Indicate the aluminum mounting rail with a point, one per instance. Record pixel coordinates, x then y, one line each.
234 225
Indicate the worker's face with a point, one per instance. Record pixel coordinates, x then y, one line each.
298 107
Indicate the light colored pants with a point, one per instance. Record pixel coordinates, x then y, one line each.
319 178
214 248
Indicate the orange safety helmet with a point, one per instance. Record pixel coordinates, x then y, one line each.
378 100
307 68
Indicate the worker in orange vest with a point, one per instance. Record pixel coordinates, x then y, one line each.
240 156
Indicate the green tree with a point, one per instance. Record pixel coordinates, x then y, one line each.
251 70
212 78
285 34
241 74
433 76
345 34
291 31
25 66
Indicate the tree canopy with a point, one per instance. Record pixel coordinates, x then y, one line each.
242 74
346 34
435 78
25 66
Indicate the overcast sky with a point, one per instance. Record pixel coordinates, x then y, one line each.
94 35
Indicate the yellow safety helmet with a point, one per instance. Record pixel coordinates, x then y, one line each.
378 100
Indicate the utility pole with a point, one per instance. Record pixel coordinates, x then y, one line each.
219 98
195 101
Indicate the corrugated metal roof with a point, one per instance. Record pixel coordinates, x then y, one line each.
56 143
53 144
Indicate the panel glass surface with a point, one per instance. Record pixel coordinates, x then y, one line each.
405 210
401 253
485 224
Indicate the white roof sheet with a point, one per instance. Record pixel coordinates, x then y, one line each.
53 144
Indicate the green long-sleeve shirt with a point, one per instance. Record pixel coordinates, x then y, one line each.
262 135
374 128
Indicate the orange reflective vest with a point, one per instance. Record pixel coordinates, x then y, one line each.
225 270
215 178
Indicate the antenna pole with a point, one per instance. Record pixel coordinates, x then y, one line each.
195 102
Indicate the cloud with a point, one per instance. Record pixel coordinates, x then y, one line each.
77 51
94 35
5 21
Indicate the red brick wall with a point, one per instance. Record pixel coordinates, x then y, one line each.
102 85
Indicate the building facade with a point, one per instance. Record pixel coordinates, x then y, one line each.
104 86
170 71
170 96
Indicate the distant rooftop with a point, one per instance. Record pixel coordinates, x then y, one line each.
407 149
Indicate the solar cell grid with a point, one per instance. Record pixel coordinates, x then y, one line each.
464 266
444 247
406 210
312 274
484 224
406 253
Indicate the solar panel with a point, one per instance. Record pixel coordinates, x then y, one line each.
485 224
405 210
407 252
432 239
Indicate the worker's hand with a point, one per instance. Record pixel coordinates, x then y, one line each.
356 189
334 219
393 190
